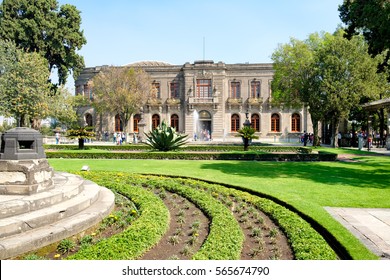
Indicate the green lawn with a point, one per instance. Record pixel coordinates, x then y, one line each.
307 186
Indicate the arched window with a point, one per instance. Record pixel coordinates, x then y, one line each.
89 119
255 122
155 121
235 123
275 123
295 123
136 120
175 122
118 123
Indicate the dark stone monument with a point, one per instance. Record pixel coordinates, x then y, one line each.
23 165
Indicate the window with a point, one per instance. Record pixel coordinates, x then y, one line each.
275 123
255 89
235 123
203 88
156 90
136 120
175 90
155 121
118 123
235 90
255 122
175 122
88 91
295 123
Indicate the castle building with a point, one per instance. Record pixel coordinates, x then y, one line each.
206 101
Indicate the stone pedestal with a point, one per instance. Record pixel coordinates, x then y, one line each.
25 177
24 169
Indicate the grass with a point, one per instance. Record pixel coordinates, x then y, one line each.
307 186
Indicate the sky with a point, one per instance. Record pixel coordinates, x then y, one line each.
120 32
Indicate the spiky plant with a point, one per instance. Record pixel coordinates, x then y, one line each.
165 138
247 134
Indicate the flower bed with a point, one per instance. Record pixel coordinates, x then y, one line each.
305 242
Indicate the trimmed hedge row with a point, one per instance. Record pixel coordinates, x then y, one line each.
141 235
321 156
225 238
194 148
306 243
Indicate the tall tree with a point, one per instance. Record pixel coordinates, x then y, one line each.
295 82
328 73
25 92
347 73
122 91
371 18
44 27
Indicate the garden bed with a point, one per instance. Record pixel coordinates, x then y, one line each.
191 219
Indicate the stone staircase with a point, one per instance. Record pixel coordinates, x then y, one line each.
29 222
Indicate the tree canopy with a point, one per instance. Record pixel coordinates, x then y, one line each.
25 93
371 18
328 73
42 26
121 90
24 88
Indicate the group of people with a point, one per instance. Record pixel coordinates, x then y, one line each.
307 137
119 138
204 135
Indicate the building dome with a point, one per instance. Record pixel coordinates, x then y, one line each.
148 63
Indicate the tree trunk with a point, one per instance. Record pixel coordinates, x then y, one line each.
81 143
316 140
246 143
335 130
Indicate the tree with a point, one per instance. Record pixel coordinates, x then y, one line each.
295 82
120 90
371 18
247 134
328 73
81 133
42 26
347 73
63 107
24 91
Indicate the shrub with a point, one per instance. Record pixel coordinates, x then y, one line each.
165 138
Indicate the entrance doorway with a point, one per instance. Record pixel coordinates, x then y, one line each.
204 128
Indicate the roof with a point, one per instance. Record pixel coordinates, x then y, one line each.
148 63
377 104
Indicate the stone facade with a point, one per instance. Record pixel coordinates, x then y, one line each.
205 96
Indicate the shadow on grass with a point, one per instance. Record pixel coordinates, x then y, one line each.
365 174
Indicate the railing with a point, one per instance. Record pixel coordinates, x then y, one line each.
202 100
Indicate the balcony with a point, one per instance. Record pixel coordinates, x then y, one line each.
234 101
255 101
154 101
202 100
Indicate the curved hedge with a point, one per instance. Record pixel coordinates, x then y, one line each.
143 233
225 238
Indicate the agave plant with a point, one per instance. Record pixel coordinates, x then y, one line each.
165 138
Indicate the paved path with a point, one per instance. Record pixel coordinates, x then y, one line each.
370 225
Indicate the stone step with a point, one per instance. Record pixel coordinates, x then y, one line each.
13 246
66 187
50 214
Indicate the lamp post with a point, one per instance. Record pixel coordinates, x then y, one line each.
247 122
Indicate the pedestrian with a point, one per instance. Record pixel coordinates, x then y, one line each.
114 137
339 139
58 137
305 138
